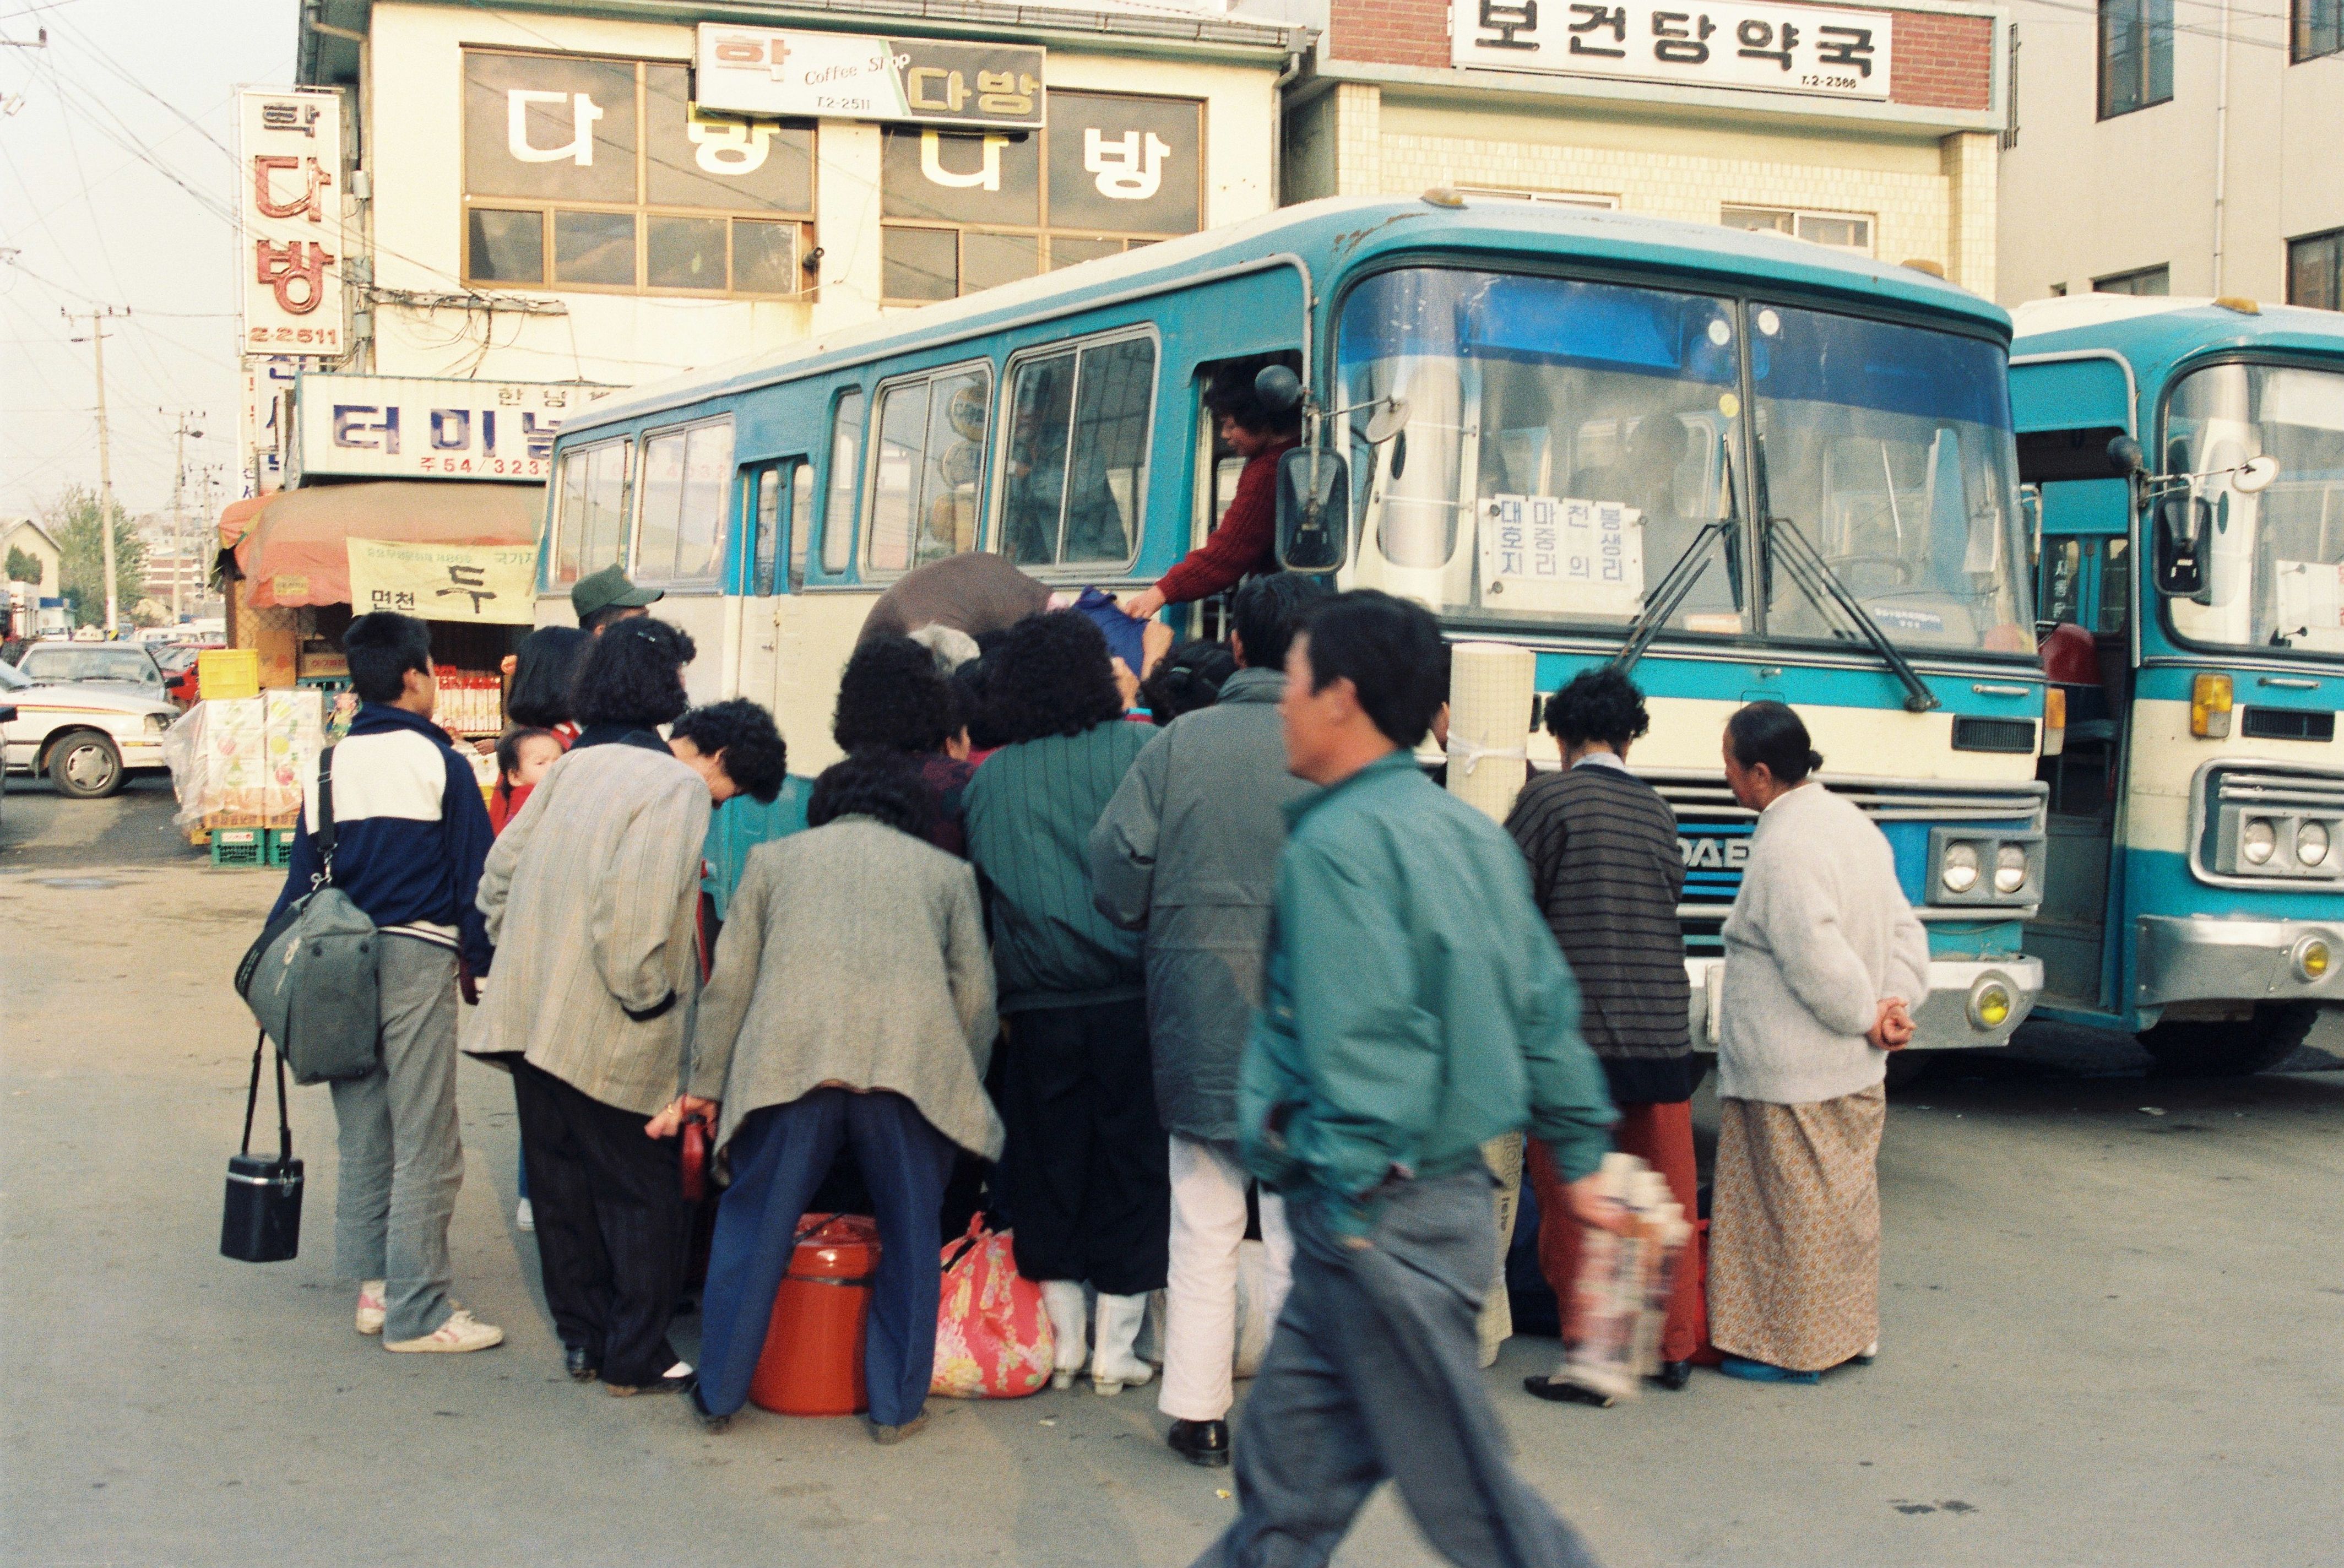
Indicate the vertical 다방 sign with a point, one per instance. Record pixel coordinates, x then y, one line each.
289 244
1837 54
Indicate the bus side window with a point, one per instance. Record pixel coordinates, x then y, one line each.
838 495
801 520
2063 579
923 504
1075 480
765 526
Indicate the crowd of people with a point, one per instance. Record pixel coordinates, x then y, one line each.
1144 962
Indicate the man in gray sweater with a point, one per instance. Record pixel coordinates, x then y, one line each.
1187 852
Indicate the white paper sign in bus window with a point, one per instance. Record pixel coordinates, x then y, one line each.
289 246
1561 555
1773 48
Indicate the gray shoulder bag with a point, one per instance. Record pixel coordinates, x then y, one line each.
311 979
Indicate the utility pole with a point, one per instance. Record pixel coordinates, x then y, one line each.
97 319
178 508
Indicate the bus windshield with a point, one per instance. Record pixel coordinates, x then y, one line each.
1568 442
2276 570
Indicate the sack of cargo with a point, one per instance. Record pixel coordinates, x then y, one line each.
993 1337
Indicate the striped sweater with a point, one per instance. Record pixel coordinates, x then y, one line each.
1030 811
1606 873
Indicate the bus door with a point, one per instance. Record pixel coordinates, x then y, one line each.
775 497
2087 596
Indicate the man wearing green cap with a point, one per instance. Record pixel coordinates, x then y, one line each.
606 597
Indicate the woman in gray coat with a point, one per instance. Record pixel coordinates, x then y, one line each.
852 1003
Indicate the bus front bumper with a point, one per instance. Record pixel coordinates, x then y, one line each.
1960 1010
2207 958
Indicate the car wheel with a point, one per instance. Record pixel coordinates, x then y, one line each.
85 765
2197 1048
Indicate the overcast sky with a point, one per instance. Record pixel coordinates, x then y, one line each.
88 128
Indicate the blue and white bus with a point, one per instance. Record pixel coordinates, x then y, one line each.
2189 456
1797 467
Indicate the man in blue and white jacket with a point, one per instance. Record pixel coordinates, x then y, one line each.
411 834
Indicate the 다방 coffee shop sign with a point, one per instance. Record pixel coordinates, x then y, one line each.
837 76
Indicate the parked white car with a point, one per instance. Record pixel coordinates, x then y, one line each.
127 666
87 736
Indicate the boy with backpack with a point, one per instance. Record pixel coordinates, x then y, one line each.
411 832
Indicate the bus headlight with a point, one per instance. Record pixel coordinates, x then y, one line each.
2256 840
2009 868
2311 958
1989 1003
2311 843
1959 870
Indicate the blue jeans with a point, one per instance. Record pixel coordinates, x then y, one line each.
779 1155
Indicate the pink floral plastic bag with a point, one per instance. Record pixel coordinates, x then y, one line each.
993 1337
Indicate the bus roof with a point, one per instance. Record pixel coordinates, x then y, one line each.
2155 333
1330 236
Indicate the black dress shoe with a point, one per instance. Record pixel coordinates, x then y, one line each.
579 1362
1673 1376
1205 1442
661 1385
1563 1393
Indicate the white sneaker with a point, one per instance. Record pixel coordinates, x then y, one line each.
371 1305
459 1333
1115 1364
524 1217
1069 1329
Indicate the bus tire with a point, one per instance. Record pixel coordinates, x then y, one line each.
2193 1048
1908 1067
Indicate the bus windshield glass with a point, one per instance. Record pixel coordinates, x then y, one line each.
2275 575
1890 449
1566 442
1569 442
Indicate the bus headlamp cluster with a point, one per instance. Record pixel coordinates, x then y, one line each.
2265 842
1967 866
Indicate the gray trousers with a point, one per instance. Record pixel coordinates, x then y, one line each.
401 1158
1373 1375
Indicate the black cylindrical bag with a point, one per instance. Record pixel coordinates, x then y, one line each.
262 1221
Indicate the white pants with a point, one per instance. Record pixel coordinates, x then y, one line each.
1200 1299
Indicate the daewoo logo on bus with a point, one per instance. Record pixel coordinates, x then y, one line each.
1708 853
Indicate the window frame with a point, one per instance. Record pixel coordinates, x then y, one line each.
1042 231
997 483
2334 239
2303 23
1870 221
832 491
2136 274
643 209
866 512
551 578
727 532
774 579
2141 14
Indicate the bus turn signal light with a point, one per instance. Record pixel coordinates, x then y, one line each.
2210 706
2054 722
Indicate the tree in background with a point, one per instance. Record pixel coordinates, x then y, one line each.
23 566
71 521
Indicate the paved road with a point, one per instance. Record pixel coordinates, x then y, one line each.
2112 1310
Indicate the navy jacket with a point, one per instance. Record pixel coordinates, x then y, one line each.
411 831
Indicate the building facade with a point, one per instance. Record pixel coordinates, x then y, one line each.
2163 151
1872 129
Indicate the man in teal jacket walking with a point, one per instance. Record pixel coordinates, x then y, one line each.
1414 1007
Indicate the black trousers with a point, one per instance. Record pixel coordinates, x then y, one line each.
611 1224
1086 1166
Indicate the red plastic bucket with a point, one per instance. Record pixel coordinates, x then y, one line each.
812 1360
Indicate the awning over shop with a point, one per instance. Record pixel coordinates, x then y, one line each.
294 544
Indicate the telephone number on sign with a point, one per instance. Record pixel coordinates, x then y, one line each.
1835 84
512 468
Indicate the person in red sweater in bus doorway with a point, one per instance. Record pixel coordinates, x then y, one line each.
1244 545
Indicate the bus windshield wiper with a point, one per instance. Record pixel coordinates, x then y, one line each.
1671 591
1814 576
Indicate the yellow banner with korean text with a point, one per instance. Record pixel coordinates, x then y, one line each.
486 584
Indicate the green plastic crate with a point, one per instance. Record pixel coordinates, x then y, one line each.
240 846
280 846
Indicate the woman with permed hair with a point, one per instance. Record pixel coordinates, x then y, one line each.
1085 1171
856 906
631 682
1606 873
893 697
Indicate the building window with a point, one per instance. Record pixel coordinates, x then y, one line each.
2144 280
2319 29
967 211
1840 230
2135 55
1557 198
929 458
2315 270
584 173
1075 474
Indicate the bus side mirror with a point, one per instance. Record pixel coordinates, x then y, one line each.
1314 509
2184 525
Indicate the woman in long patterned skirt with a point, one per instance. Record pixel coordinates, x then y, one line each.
1822 955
